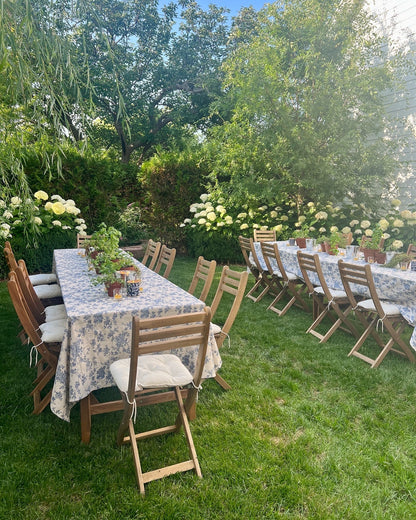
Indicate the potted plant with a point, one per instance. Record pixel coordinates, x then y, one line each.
371 245
108 275
301 235
336 240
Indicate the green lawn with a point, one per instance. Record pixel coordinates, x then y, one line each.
305 432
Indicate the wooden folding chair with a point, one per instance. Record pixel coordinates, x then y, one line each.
147 371
152 252
261 283
267 235
288 283
36 279
233 283
41 313
49 294
204 271
81 239
166 259
411 251
46 365
348 238
374 313
325 299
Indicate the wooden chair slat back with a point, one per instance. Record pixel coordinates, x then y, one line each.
204 271
152 252
268 235
166 259
271 252
161 334
234 283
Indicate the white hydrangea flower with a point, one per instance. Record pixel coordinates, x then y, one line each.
321 215
182 225
5 226
333 229
284 218
368 232
187 221
346 229
322 230
201 221
302 219
244 226
8 214
41 195
48 205
58 198
228 219
384 224
204 197
15 201
365 224
193 208
398 223
386 236
242 215
220 224
278 228
358 232
79 221
57 223
203 213
406 214
37 221
211 216
397 244
2 204
354 223
66 227
311 204
396 203
273 214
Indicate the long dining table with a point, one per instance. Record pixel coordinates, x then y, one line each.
98 332
394 285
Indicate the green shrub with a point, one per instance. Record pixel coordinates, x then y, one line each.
170 182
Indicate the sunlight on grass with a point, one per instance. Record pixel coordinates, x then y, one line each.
305 432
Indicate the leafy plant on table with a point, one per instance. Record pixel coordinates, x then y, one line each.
372 242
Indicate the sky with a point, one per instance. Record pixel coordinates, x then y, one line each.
233 5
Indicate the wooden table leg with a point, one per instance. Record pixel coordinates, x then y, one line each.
85 419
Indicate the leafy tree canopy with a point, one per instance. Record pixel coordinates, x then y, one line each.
309 120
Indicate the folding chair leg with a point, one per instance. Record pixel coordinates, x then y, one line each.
188 434
222 382
136 458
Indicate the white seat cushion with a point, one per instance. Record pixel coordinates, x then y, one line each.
42 279
335 292
153 371
53 331
55 312
292 276
216 329
48 291
388 308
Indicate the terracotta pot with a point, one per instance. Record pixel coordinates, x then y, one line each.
380 258
370 252
328 248
111 286
301 243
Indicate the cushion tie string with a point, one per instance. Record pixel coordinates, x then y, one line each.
31 353
227 336
329 304
199 388
380 320
133 414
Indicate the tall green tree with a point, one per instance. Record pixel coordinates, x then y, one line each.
154 70
309 120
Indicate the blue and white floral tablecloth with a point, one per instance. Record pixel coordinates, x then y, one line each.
394 285
98 330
